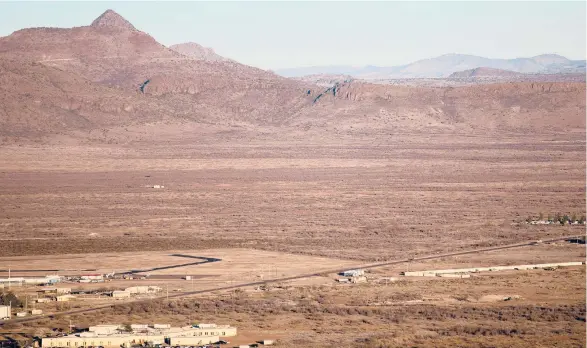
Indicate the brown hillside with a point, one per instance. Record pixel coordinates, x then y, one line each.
110 75
520 106
484 72
194 50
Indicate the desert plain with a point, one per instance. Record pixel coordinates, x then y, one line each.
121 155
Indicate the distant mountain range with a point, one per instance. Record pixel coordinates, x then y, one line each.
109 82
445 65
484 72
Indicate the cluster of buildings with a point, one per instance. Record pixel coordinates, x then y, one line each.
140 334
135 290
91 278
47 280
352 276
6 312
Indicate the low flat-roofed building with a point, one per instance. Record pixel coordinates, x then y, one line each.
12 281
104 329
119 340
64 298
193 341
205 326
360 279
353 273
120 294
218 330
111 336
94 276
4 312
143 289
49 290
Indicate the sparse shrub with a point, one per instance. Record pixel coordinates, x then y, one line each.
10 298
557 217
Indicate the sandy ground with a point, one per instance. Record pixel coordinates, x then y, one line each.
545 309
237 266
281 209
361 201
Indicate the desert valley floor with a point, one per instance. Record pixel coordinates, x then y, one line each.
359 201
273 209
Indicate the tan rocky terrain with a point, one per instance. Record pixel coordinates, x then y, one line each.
482 71
109 75
94 119
194 50
112 54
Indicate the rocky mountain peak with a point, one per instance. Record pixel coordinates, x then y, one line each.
112 19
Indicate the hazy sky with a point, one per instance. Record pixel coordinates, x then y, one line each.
274 35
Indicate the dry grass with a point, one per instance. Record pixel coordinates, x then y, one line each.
357 201
347 316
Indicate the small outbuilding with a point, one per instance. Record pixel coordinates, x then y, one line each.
357 280
64 298
120 294
353 273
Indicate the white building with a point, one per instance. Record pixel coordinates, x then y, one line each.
64 298
92 277
353 273
104 329
4 312
114 336
120 294
143 289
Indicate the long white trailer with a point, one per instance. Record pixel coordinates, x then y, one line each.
438 272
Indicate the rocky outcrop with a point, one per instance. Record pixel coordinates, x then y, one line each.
196 51
111 19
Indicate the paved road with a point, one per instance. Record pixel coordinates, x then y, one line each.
231 287
203 260
133 271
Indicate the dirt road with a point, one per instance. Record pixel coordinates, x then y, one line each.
269 281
